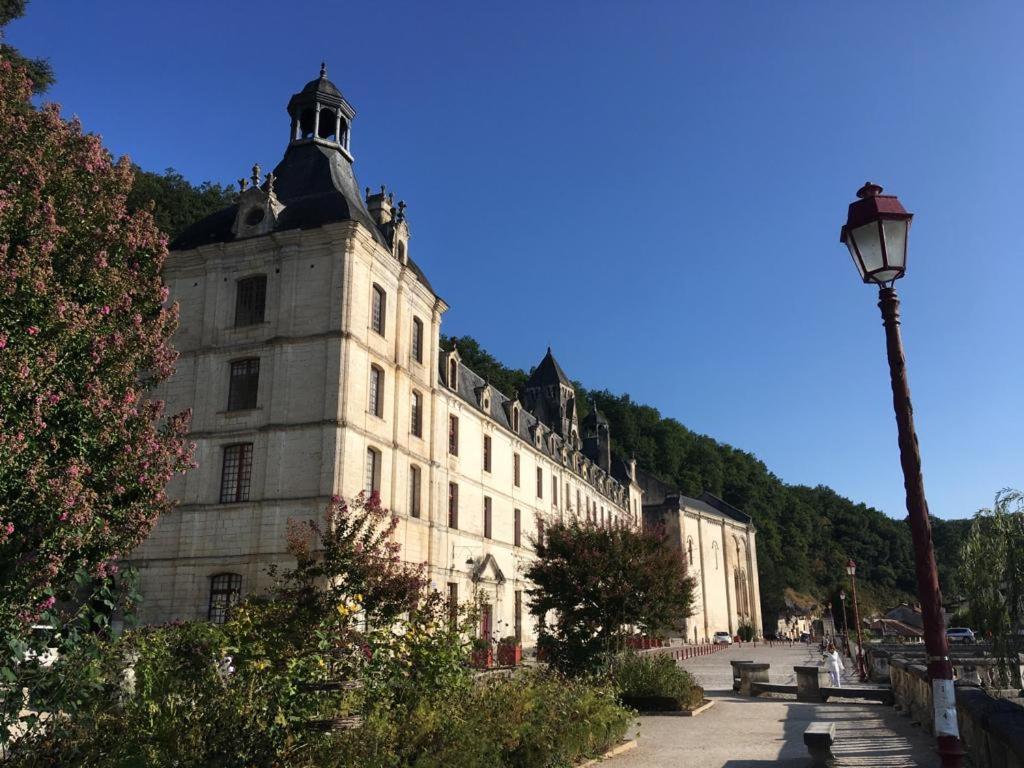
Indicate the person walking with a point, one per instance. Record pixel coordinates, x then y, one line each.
834 665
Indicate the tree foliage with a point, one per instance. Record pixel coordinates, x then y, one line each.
84 334
599 583
38 71
805 534
174 201
991 576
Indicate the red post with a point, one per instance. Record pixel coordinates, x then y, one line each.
862 669
940 669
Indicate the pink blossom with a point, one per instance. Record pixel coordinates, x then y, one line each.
105 310
33 330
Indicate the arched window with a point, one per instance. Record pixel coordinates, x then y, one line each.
380 300
371 483
515 419
225 592
417 340
453 373
376 404
689 550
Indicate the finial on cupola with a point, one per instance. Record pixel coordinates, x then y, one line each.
255 174
323 70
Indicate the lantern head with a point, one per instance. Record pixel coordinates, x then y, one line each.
851 568
876 233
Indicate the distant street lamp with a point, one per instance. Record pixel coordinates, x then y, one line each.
851 569
846 628
876 234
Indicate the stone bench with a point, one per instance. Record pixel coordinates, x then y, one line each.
819 737
809 682
736 672
752 673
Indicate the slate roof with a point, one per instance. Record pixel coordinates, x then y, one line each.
317 186
470 386
547 373
657 492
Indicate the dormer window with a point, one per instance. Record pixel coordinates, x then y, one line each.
453 373
515 418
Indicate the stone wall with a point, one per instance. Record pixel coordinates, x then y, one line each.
991 729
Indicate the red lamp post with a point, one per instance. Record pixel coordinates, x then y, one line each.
846 627
876 234
851 569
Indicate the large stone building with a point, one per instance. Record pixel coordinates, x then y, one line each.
310 358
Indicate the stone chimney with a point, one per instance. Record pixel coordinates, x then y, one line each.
380 205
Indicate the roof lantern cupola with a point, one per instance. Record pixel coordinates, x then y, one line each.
321 114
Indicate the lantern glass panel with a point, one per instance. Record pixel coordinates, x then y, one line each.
869 244
886 276
895 243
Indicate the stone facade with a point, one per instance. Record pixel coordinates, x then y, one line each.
310 358
719 543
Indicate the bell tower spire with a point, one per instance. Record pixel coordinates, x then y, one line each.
321 115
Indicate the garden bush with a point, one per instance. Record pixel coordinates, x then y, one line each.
250 692
653 681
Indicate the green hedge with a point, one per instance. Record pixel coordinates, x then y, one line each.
653 681
532 719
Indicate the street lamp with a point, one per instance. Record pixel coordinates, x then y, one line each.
846 628
851 569
876 234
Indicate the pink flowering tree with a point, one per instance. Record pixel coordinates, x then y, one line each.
84 333
351 556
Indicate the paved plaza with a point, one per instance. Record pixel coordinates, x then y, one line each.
755 733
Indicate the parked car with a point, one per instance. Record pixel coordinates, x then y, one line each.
959 635
722 638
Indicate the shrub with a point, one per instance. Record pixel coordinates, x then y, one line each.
600 582
654 681
745 632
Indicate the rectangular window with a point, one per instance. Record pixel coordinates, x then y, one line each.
371 481
416 415
376 404
453 505
567 497
487 453
517 529
540 532
378 312
554 491
515 469
236 473
417 340
453 601
519 616
578 508
487 517
225 592
244 384
453 435
414 491
540 483
250 300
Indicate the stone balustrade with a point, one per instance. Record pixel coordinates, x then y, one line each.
992 729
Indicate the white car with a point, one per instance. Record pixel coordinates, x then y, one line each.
960 635
722 638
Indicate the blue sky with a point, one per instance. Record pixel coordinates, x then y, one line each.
653 189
